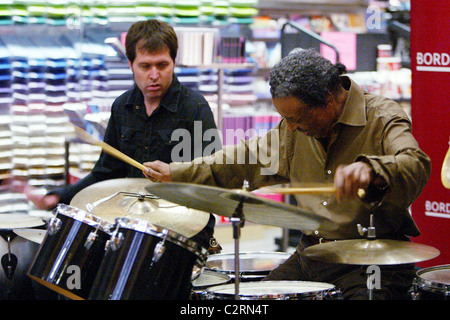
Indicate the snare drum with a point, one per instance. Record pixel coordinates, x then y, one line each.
253 266
70 254
432 283
274 290
146 262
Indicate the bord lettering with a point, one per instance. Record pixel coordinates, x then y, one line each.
433 58
437 206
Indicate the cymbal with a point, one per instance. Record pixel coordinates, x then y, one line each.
19 220
368 252
117 198
34 235
225 201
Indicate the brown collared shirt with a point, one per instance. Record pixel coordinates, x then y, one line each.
371 128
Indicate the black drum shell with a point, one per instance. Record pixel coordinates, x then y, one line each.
73 235
129 272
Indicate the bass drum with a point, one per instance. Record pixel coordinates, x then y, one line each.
274 290
253 266
147 262
432 283
68 259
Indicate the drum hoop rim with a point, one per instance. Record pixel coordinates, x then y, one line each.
431 285
244 253
241 272
172 236
102 224
286 296
241 254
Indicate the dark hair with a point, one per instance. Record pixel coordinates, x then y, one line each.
306 75
151 36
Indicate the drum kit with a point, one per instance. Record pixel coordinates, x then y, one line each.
125 239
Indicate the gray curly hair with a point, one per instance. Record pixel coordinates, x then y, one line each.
306 75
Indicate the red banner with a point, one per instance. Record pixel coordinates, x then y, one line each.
430 66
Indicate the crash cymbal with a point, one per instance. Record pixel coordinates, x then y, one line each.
128 198
34 235
371 252
225 201
19 220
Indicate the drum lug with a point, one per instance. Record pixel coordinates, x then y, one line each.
196 271
159 250
54 225
90 240
415 296
115 241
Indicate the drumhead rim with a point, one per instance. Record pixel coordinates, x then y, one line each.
432 285
147 227
83 216
248 253
213 290
243 256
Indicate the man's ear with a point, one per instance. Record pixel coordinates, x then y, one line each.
330 99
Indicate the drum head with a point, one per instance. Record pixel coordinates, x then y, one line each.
438 274
208 279
435 279
250 263
273 290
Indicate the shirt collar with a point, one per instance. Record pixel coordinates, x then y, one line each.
354 113
172 96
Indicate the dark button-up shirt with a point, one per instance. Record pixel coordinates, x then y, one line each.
147 138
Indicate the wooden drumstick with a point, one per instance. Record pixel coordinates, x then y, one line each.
303 190
107 148
330 189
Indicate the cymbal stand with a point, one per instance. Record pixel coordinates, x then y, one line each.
9 261
370 236
237 221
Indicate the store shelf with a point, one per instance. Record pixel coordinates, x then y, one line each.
283 8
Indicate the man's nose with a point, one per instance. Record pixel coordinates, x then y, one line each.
153 73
